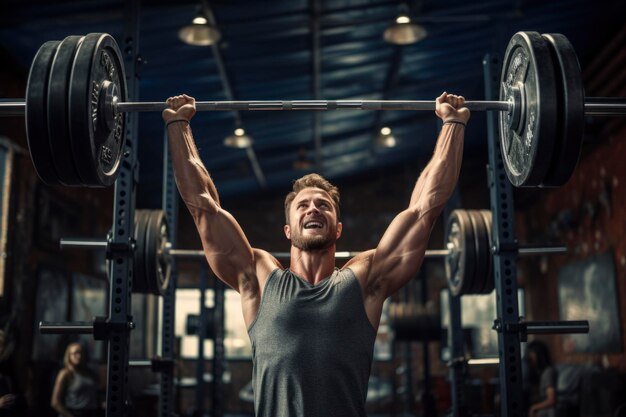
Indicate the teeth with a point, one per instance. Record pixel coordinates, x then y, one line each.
311 225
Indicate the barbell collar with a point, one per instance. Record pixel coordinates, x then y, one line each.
79 327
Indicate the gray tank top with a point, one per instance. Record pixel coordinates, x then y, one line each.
312 347
81 393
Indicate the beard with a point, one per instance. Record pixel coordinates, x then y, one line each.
313 243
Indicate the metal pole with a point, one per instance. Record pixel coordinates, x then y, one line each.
428 399
504 259
167 304
120 278
202 319
218 349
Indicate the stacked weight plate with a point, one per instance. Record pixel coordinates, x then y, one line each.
541 139
469 264
74 136
151 262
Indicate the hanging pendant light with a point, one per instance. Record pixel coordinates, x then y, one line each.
199 33
404 31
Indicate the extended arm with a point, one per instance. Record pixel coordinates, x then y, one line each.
401 250
226 247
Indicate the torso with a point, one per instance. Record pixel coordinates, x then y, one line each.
265 263
312 346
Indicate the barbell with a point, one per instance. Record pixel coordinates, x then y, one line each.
76 101
468 252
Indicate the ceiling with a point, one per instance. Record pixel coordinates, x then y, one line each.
303 50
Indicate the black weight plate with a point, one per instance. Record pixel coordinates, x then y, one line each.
140 281
164 266
37 114
489 282
411 322
527 150
157 267
96 146
460 261
480 252
150 253
571 108
58 116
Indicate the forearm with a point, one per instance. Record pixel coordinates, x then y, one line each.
192 178
438 180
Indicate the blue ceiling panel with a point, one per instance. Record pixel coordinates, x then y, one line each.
268 52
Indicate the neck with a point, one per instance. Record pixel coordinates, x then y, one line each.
313 266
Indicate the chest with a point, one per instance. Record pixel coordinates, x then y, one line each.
329 307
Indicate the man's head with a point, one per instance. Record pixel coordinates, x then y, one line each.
312 213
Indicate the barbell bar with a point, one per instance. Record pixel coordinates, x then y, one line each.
594 106
18 108
84 243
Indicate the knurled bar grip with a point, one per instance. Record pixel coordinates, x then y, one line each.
313 105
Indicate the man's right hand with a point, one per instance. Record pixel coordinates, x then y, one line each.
451 107
181 107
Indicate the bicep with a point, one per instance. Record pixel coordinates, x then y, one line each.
226 247
400 252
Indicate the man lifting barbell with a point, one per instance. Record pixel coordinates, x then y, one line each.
313 326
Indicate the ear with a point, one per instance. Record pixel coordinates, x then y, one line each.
287 230
339 229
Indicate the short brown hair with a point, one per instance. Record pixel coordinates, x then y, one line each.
312 181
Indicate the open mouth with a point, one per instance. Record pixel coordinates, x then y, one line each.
313 224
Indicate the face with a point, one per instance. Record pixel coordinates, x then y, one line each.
312 221
76 355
